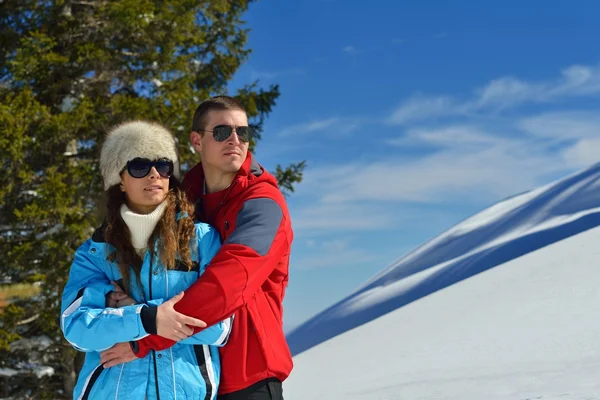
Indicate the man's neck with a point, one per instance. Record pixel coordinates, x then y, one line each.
215 181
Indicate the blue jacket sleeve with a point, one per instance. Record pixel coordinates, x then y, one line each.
85 320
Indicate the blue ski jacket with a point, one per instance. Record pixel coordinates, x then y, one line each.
188 370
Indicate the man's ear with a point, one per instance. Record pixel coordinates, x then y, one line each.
122 187
196 140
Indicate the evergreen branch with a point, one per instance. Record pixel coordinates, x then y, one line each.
28 320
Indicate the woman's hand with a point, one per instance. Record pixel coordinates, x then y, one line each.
118 298
172 324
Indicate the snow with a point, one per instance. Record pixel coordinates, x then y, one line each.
31 193
148 17
68 102
38 370
502 306
42 371
37 342
8 372
56 228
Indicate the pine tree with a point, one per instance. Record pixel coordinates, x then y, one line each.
69 70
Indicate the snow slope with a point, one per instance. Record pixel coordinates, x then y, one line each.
420 330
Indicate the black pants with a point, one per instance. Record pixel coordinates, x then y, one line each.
268 389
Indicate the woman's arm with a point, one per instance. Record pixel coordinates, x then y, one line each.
85 320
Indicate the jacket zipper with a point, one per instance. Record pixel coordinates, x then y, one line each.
155 374
214 214
170 349
150 298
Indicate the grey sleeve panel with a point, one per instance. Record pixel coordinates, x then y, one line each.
257 224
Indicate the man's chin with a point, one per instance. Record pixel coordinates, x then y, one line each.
227 167
231 167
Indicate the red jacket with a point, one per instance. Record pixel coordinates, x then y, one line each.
247 277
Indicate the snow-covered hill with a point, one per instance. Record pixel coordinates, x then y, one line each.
522 326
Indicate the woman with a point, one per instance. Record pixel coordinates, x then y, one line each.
150 246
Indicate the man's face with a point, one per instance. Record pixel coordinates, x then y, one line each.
226 156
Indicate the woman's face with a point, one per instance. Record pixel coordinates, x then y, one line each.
144 194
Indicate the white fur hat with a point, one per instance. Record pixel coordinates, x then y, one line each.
135 139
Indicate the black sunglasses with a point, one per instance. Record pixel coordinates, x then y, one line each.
222 132
140 167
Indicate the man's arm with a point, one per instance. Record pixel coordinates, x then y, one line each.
216 335
242 265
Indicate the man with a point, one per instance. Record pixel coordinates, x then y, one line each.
249 274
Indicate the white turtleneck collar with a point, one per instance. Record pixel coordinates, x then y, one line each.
141 226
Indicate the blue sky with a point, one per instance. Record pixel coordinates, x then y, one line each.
413 116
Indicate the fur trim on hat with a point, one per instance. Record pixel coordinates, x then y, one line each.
131 140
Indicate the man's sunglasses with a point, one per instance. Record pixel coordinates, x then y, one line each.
140 167
222 132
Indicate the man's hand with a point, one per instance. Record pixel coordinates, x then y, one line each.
120 353
172 324
118 298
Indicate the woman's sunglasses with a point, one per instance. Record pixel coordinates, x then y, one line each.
140 167
222 132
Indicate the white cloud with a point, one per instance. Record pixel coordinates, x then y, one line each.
500 94
477 158
337 259
448 176
333 253
584 153
270 75
350 50
310 126
331 217
421 107
454 164
563 125
467 164
334 125
320 125
450 136
430 173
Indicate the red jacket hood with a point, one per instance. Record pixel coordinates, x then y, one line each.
249 174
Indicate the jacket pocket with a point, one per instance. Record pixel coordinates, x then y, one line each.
270 332
265 322
180 280
106 384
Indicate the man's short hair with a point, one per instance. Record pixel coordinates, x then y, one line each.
217 103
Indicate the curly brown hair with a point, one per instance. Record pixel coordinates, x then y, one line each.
174 235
